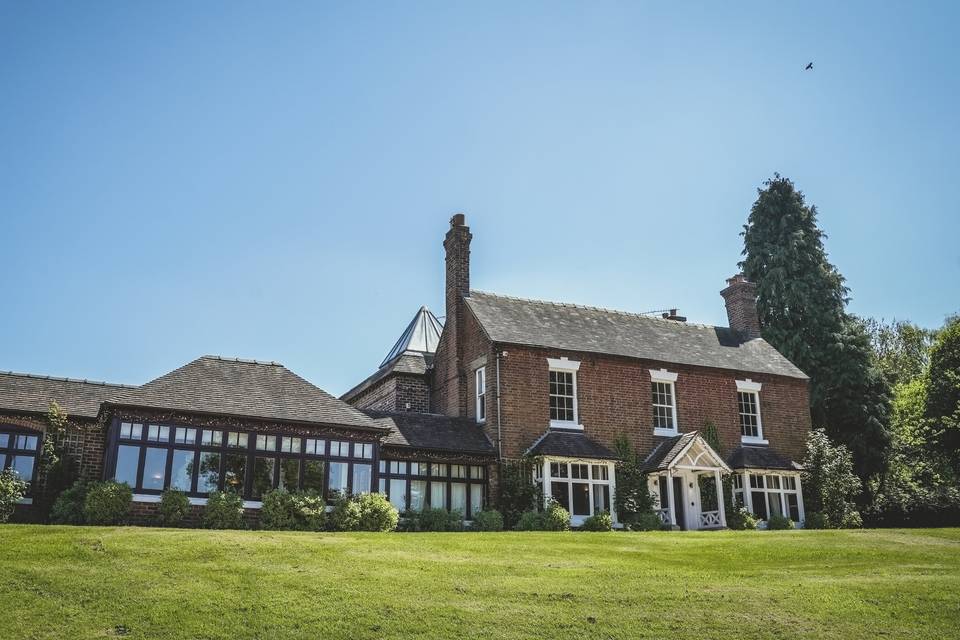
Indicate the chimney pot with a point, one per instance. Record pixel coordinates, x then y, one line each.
458 220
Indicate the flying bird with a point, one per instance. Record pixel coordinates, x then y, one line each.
808 67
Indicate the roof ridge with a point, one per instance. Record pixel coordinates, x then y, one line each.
269 363
573 305
99 383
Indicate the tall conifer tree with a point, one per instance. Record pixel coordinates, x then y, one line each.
801 300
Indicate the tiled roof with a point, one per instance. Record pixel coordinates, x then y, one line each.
433 431
570 444
578 328
28 393
746 457
407 362
667 451
248 388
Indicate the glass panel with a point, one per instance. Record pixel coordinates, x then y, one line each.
790 482
756 482
289 474
559 491
558 470
581 499
793 507
22 466
183 435
664 495
773 482
26 443
262 476
316 447
476 499
438 470
362 476
759 504
235 439
383 486
341 449
154 468
208 478
364 451
600 472
4 440
438 495
338 478
601 498
157 433
476 472
561 396
290 445
418 468
267 443
458 497
773 500
418 494
313 475
181 473
212 438
398 494
458 471
398 467
136 431
234 472
580 471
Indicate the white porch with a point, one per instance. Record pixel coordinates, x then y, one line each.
688 482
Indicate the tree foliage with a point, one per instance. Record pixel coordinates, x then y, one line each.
829 483
942 406
518 493
901 349
801 301
632 497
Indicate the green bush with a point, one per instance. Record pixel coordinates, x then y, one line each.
852 520
12 489
310 510
278 510
345 515
376 512
487 520
68 507
742 520
779 523
224 510
530 521
517 492
647 521
174 507
107 503
598 522
433 520
556 518
816 520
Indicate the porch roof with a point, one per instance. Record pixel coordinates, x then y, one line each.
746 457
570 444
671 451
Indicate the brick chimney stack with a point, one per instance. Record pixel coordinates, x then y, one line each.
457 246
740 296
452 399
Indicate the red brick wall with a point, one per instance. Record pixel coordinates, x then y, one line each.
614 400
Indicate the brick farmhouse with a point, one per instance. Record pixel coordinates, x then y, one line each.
501 379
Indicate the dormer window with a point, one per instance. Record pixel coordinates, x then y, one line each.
563 393
664 402
748 406
481 389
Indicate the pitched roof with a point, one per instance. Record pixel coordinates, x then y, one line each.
422 335
433 431
746 457
664 454
249 388
407 362
578 328
570 444
29 393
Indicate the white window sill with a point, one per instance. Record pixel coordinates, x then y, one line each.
484 421
667 433
566 424
753 440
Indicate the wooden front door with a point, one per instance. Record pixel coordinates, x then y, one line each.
678 502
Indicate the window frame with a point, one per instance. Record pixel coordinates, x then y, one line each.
544 475
743 484
10 451
750 387
474 474
662 376
565 365
480 394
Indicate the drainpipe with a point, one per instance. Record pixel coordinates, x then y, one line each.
499 431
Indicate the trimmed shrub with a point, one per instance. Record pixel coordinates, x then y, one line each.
487 520
816 520
779 523
345 515
556 518
224 510
647 521
310 510
742 520
852 520
174 507
278 510
68 507
433 520
12 489
107 503
598 522
376 512
530 521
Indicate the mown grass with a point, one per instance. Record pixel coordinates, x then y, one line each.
93 582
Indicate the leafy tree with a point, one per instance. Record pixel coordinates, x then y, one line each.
632 497
12 489
829 482
518 493
801 300
943 392
901 349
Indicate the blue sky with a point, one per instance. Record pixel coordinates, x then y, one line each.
273 181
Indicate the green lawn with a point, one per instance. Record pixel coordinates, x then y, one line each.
91 582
